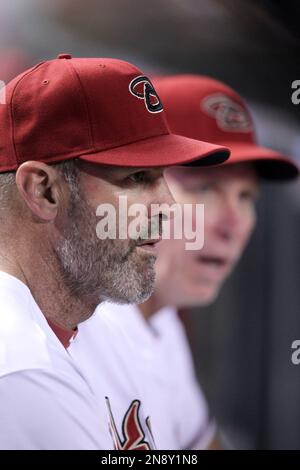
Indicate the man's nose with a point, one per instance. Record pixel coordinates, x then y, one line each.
230 224
164 192
162 201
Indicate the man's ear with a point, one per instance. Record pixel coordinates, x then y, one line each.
38 185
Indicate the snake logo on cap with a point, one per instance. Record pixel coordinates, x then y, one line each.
229 115
142 88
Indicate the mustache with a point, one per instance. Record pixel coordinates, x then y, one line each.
152 230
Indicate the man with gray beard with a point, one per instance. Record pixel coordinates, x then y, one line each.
76 133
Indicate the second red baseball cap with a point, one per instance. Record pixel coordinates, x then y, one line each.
104 111
201 107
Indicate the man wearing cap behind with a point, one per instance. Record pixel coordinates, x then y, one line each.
75 133
201 108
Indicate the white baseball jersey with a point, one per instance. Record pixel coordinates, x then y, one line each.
163 367
107 357
47 401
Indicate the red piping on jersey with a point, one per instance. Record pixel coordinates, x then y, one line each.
64 335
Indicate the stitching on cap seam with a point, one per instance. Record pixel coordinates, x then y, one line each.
11 108
74 72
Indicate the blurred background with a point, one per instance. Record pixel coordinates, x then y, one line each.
242 344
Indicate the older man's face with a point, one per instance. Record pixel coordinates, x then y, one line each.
120 270
228 193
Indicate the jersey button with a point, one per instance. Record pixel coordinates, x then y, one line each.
64 56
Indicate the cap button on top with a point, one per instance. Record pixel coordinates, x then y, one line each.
64 56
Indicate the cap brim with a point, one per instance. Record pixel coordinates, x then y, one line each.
269 164
159 151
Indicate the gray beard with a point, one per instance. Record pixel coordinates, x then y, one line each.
97 269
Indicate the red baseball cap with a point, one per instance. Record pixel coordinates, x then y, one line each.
103 111
200 107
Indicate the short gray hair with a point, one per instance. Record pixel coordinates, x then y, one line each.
7 185
67 169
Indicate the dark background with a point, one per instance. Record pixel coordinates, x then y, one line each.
242 344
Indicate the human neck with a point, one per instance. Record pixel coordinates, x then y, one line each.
40 272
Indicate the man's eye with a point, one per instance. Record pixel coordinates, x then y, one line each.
202 188
205 187
249 196
139 177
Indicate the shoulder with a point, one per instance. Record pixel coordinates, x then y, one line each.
43 410
26 340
